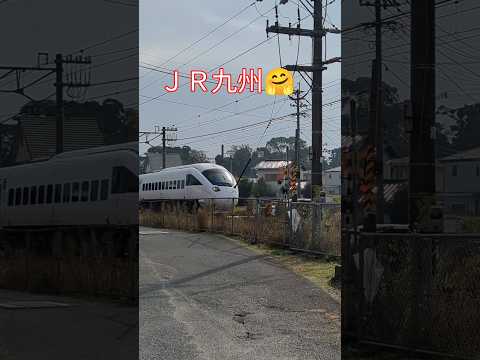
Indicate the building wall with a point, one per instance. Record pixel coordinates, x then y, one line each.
462 176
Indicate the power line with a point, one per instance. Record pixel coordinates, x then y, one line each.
204 37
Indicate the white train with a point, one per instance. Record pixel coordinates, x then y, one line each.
190 184
96 186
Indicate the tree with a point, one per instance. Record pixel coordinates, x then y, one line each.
187 154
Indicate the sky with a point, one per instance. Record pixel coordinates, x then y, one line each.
28 27
169 39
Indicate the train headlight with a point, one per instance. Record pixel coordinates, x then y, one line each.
216 189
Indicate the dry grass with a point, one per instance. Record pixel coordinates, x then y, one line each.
263 228
319 271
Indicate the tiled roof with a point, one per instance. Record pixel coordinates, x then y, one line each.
272 164
39 133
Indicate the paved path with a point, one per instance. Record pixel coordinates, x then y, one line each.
51 327
206 297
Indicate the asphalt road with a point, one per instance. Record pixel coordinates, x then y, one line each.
44 327
206 297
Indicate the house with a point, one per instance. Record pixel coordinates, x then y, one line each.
36 135
272 172
461 182
332 181
457 180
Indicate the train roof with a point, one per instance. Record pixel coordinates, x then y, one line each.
199 166
130 146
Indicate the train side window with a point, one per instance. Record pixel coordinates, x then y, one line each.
169 185
10 197
156 186
183 184
85 188
94 191
143 187
41 194
18 196
66 192
104 190
163 185
33 195
25 195
49 194
75 191
192 180
149 186
58 193
174 184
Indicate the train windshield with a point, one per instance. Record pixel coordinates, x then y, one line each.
219 177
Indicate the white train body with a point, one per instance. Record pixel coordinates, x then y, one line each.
200 183
96 186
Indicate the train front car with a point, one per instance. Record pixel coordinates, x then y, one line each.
221 185
203 184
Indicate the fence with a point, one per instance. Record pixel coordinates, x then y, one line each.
413 291
269 221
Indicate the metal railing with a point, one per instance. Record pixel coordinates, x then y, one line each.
307 226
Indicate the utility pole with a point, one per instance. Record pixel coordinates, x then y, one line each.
316 69
76 81
379 113
377 127
164 132
164 147
223 152
60 105
422 137
298 105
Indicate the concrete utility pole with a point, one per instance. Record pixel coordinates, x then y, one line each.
422 137
316 69
377 127
59 99
298 105
164 147
164 143
379 113
77 81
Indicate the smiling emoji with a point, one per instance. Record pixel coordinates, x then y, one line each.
279 82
